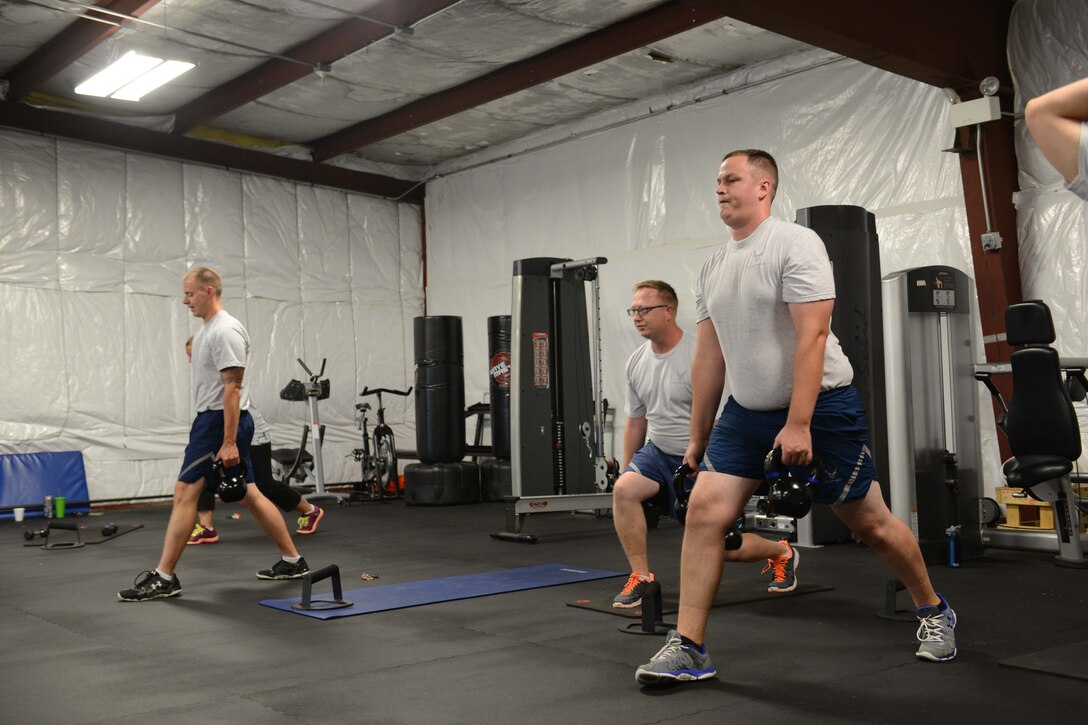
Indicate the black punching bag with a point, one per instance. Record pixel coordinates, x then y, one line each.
440 389
849 234
498 348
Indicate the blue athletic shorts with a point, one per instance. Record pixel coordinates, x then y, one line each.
205 440
658 466
840 437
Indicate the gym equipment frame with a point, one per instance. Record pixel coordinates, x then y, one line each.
557 448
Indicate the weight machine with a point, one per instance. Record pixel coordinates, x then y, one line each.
557 411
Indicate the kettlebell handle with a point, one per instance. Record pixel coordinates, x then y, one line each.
774 468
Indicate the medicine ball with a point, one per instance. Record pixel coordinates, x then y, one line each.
790 496
230 487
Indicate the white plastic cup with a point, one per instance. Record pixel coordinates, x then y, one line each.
20 512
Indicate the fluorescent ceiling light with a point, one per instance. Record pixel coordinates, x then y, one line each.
157 76
132 77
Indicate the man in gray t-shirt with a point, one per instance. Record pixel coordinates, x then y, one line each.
764 303
656 434
1057 121
222 431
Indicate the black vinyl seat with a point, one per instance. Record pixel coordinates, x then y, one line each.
1041 424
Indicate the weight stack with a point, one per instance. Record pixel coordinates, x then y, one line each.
439 389
496 480
441 484
498 347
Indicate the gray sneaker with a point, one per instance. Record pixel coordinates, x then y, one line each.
675 662
783 570
631 594
936 632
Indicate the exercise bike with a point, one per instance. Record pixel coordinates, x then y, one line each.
313 390
378 456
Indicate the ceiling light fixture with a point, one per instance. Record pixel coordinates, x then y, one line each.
132 77
659 57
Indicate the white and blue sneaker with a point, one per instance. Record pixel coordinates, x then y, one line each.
675 662
936 632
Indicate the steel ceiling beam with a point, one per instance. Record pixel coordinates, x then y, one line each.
132 138
328 47
660 22
942 43
68 46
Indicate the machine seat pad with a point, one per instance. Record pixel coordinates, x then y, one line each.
286 456
1028 471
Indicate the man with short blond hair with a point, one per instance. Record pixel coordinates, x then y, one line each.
221 431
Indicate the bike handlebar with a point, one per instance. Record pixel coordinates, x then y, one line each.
372 391
310 372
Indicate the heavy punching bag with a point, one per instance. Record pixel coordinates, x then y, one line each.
498 348
440 389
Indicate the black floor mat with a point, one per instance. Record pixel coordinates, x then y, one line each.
1070 660
735 592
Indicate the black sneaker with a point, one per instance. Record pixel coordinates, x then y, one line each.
285 570
149 585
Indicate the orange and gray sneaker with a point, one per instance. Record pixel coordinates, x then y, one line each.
202 535
307 523
783 570
631 594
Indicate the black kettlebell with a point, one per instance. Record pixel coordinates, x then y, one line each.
682 492
230 487
790 496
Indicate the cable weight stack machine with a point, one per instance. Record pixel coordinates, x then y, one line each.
556 407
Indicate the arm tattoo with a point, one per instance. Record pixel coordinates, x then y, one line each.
232 375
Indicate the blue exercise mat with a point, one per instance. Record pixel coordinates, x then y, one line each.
447 589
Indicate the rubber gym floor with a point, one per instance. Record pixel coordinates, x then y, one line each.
72 653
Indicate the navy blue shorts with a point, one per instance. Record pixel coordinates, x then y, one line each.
658 466
840 437
205 440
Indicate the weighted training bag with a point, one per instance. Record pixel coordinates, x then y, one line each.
498 348
440 389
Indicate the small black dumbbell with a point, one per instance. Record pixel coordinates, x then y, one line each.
109 530
31 535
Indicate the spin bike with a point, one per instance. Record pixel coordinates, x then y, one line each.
378 456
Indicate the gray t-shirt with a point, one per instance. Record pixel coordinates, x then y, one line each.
659 389
744 288
1079 185
221 343
262 433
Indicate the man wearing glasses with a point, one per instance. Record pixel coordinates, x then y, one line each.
658 409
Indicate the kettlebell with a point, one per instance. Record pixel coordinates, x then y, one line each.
231 488
790 496
678 486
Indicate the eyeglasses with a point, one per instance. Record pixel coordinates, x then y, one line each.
641 311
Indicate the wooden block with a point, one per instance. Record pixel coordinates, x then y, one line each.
1007 495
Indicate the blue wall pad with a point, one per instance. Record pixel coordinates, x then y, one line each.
27 478
447 589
